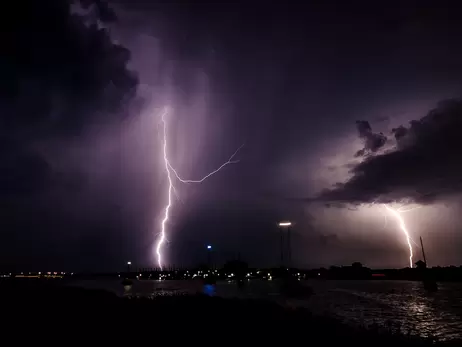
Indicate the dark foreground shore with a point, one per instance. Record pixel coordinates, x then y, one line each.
40 310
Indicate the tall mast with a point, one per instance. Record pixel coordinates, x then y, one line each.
423 251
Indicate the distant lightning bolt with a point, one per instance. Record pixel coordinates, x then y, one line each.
172 189
402 225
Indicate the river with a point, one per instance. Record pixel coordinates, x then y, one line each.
397 304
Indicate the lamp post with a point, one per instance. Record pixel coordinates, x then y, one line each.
128 266
209 256
287 225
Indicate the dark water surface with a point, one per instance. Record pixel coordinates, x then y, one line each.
397 304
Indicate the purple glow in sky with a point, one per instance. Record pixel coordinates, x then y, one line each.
81 153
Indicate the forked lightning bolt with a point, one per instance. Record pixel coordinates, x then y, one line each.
171 188
402 225
161 240
230 161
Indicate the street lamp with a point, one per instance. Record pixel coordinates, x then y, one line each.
128 265
285 224
209 256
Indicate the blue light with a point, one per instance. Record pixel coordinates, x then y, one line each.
209 289
209 247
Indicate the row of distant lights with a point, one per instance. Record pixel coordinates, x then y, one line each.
205 274
49 273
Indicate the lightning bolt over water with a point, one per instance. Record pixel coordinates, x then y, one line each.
403 227
171 188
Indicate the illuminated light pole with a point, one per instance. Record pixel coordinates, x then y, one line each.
288 252
209 256
128 266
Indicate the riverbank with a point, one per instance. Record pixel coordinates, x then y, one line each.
47 307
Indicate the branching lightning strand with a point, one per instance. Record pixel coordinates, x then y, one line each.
171 188
230 161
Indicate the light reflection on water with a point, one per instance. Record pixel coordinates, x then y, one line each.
400 305
209 289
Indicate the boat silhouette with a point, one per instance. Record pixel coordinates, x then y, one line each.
428 281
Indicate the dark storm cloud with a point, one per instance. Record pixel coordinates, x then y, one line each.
57 75
424 166
101 10
372 141
22 172
60 73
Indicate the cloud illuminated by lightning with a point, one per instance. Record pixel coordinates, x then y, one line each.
171 187
403 227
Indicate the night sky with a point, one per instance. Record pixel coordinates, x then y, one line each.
342 106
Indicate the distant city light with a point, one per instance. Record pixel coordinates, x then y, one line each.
209 247
285 224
